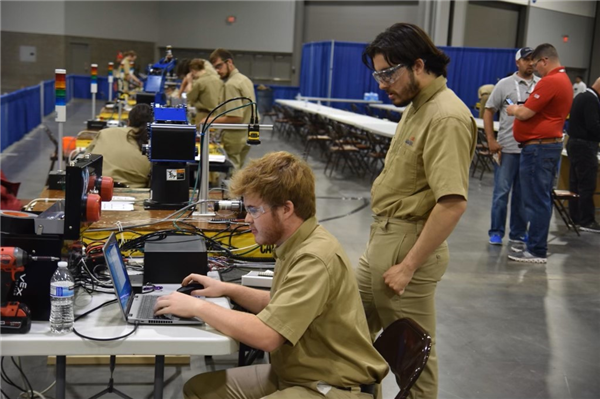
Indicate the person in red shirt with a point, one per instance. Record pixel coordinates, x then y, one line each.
538 127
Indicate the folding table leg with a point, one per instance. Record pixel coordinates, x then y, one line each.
159 376
61 374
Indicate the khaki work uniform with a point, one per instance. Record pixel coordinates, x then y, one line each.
316 307
484 93
127 80
234 141
205 95
121 157
429 158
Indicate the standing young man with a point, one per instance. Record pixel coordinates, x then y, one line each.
311 322
514 89
206 89
236 85
420 195
538 127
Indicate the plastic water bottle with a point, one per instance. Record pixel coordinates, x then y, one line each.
62 292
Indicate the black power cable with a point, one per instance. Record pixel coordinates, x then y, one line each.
102 339
252 119
6 379
24 377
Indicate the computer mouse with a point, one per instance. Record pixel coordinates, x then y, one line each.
187 289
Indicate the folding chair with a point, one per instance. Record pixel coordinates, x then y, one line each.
558 196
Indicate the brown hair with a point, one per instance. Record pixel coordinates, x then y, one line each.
130 53
139 117
197 64
276 178
404 43
545 50
221 53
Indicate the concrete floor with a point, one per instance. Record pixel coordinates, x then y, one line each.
505 330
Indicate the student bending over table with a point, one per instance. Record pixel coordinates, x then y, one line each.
312 322
121 149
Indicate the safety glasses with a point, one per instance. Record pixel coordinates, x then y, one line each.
256 211
387 76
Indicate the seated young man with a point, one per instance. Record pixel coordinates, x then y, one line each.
312 322
121 149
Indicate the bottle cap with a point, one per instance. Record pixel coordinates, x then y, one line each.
62 263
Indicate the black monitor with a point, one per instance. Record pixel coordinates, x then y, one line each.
172 143
145 98
96 125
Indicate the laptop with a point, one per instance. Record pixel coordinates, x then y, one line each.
136 308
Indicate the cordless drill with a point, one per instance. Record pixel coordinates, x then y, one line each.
16 317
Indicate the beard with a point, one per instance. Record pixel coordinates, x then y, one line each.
409 93
270 235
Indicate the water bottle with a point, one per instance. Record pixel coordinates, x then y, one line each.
62 292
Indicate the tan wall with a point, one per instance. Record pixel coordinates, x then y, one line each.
53 51
15 74
103 51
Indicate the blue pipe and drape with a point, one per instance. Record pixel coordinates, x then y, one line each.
469 68
346 78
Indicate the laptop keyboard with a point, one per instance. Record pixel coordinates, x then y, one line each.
147 307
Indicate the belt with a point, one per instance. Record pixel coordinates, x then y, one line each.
363 388
541 141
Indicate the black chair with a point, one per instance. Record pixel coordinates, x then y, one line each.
483 157
558 196
406 347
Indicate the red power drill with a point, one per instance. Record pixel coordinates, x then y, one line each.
16 317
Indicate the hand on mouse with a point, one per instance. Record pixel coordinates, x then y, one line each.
212 287
179 304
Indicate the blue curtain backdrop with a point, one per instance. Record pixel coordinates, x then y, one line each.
21 110
472 67
314 76
469 68
81 87
356 79
20 114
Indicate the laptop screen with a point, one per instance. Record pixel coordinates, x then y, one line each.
118 272
153 83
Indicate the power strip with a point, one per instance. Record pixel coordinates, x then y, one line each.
258 279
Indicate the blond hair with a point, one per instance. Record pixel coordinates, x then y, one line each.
276 178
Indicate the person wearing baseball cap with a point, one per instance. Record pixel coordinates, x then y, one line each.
524 52
512 89
538 128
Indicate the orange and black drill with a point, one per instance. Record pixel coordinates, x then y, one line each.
16 317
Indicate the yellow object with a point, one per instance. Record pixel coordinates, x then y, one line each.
245 240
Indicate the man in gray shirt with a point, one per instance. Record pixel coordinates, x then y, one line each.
513 89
